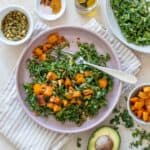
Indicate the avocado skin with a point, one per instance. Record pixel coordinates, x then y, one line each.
90 147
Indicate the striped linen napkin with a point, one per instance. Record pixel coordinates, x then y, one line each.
25 134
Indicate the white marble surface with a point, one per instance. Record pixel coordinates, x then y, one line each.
9 56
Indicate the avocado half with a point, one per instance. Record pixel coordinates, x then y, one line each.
104 138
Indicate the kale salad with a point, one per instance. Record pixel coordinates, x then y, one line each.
62 88
133 17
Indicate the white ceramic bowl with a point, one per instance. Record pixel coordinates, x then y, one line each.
4 12
113 25
132 94
44 12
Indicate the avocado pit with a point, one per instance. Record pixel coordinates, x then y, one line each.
104 142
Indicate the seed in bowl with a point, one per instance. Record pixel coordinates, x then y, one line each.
15 25
140 104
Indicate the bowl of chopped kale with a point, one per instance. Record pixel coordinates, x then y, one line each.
130 22
59 94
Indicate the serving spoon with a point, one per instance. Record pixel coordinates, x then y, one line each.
122 76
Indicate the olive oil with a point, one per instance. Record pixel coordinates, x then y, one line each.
87 7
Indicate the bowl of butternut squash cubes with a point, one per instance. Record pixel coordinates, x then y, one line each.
139 104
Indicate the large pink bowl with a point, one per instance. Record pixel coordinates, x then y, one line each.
71 33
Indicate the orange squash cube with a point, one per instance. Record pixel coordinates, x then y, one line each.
76 94
48 91
37 89
51 76
79 78
145 116
138 105
103 83
42 57
37 51
47 47
50 105
56 108
53 38
68 82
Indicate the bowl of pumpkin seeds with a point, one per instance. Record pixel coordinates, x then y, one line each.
16 25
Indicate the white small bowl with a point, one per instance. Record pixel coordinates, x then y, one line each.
132 94
113 25
4 12
44 12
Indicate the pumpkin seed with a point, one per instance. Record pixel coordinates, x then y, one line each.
15 25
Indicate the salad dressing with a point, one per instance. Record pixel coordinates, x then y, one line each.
87 7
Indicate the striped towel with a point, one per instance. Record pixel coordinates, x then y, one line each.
26 134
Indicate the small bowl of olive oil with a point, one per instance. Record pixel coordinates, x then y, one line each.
86 6
16 25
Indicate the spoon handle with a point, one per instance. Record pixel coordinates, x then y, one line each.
123 76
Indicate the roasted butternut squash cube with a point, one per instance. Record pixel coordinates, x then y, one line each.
37 51
79 78
146 89
42 57
143 95
47 46
88 73
140 113
139 105
37 89
48 91
68 82
145 116
50 105
134 99
76 94
103 83
57 100
56 108
51 76
53 38
65 103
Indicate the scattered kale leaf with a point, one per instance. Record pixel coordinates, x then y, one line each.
79 142
124 117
